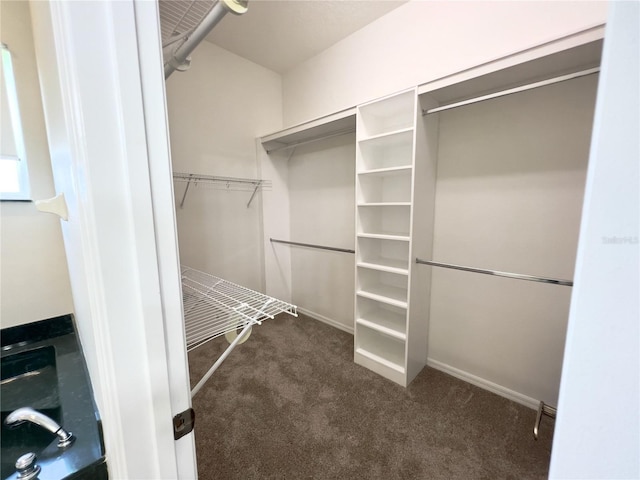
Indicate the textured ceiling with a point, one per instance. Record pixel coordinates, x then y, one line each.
279 34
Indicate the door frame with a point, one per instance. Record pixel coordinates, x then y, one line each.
100 68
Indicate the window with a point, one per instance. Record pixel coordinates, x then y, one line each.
14 178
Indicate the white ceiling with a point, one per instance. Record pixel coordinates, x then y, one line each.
279 34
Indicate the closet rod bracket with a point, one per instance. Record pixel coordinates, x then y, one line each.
546 410
255 190
186 189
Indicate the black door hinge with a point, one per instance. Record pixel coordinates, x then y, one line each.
183 423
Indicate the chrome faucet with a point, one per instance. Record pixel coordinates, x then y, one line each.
27 414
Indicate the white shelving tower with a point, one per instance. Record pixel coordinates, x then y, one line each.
394 174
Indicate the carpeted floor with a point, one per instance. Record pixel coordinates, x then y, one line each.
291 404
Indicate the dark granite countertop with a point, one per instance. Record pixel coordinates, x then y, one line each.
72 406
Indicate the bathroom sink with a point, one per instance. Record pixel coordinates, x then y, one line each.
43 370
28 378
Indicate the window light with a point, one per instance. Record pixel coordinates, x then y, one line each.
14 179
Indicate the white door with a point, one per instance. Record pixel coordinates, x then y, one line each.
100 68
597 433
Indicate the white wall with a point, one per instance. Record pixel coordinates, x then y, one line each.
597 432
422 41
276 213
322 209
34 282
511 175
216 110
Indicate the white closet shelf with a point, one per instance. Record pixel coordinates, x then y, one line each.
380 360
385 236
215 307
386 135
328 126
385 204
388 327
387 265
394 296
388 171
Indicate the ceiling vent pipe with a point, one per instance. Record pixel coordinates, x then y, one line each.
179 55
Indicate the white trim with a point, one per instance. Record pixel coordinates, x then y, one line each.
87 285
327 320
443 367
94 112
160 177
308 125
484 384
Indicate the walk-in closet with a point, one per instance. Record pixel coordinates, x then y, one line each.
405 238
320 239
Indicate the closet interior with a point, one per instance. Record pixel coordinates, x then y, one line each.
464 187
414 221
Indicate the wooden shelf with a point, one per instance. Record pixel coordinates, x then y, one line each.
387 171
388 326
323 127
381 360
389 295
385 204
386 135
387 265
385 236
385 151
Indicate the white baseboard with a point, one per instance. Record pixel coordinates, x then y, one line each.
327 320
443 367
485 384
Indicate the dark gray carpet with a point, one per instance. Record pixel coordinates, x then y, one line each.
291 404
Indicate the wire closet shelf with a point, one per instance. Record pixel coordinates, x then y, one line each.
221 183
215 307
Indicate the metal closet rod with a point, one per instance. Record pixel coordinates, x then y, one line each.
321 247
517 276
510 91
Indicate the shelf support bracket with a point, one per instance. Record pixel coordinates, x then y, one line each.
255 190
184 195
543 409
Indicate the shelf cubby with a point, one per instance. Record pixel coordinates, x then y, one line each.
386 355
391 186
388 151
384 318
383 254
385 287
387 220
393 113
